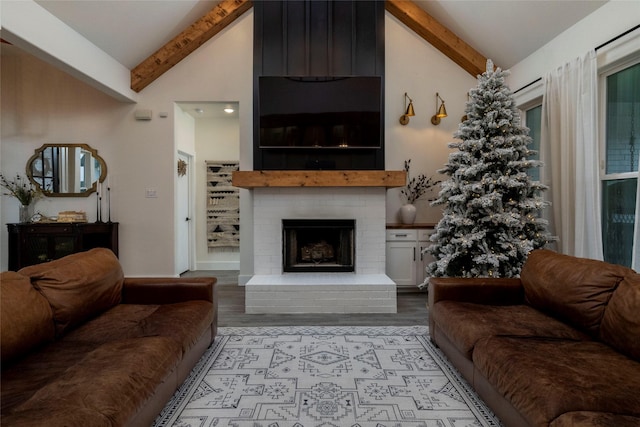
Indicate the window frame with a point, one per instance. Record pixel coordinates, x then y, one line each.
602 120
604 73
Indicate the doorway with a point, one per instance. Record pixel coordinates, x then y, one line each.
214 135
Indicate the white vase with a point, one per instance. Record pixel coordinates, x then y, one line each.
408 213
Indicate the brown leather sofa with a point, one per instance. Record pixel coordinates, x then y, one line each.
557 347
82 346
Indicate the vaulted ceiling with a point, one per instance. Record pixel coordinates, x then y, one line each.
227 11
149 37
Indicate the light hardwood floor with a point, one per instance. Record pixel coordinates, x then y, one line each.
412 309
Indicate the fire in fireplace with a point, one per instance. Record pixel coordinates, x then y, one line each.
318 245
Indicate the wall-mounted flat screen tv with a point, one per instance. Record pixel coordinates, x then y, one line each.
320 112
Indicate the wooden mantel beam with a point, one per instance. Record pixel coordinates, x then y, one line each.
187 41
313 178
427 27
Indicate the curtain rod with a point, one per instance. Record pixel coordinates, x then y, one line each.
529 84
599 47
617 37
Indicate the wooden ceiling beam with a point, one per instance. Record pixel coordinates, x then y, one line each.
187 41
427 27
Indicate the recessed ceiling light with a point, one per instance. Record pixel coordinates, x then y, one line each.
229 110
199 110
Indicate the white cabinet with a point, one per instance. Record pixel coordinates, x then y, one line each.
405 261
401 256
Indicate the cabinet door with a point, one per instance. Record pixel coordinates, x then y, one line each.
401 259
44 243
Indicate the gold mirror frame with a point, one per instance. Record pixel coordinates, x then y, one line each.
44 166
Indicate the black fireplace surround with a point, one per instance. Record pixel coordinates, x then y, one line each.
318 245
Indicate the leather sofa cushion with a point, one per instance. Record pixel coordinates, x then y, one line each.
26 320
184 322
575 290
594 419
178 323
466 323
78 286
106 387
621 322
544 379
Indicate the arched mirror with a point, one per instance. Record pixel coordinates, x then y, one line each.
66 170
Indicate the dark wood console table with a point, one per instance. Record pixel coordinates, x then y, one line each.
33 243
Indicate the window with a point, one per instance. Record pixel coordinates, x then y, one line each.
620 177
533 117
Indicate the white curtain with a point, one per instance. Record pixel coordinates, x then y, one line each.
569 150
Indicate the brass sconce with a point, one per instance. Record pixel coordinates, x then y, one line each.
404 119
441 111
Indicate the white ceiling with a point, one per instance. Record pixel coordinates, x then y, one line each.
505 31
128 30
508 31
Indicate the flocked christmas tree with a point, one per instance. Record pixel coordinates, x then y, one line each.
491 218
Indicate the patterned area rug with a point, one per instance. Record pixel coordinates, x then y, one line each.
324 377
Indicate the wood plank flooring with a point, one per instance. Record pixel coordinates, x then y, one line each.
412 309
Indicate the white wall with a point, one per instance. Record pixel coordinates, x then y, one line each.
27 24
414 66
607 22
42 105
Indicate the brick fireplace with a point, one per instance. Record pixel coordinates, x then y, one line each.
367 289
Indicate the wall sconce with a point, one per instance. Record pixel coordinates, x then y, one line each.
441 111
408 110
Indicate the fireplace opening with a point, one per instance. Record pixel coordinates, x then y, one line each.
318 245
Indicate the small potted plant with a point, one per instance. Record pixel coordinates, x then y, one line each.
23 190
415 188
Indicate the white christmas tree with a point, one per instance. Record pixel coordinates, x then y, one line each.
491 219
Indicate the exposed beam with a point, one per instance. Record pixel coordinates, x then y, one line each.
427 27
33 29
187 41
